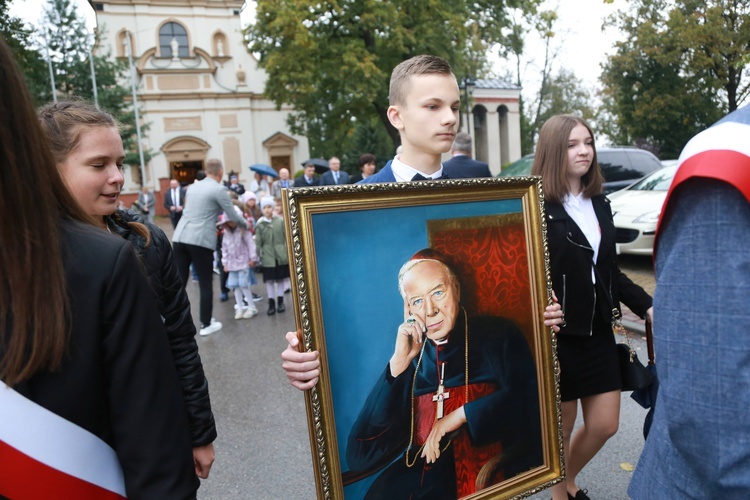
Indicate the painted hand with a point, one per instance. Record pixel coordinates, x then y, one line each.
450 423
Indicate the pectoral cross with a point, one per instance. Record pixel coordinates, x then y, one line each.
440 395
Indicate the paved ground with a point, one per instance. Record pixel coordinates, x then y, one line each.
263 449
640 270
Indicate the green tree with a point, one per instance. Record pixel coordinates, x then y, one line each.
20 40
558 92
565 93
331 60
679 69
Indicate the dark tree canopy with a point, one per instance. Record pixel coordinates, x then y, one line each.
332 60
680 67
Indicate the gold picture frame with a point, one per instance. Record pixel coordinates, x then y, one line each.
346 246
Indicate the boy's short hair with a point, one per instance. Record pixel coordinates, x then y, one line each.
416 66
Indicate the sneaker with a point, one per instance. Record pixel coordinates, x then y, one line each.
249 313
214 327
223 296
256 297
238 314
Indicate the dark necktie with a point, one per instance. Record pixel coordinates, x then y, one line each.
420 177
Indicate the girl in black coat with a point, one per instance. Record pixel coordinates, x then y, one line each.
89 152
92 406
589 285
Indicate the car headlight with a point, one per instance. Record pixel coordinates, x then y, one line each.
648 217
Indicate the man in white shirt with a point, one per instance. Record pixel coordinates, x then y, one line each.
174 200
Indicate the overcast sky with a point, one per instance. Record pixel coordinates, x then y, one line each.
584 46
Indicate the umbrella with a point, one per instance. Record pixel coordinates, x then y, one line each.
646 397
264 169
321 165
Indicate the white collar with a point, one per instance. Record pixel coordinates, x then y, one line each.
404 173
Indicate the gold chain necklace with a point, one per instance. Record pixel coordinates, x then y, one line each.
414 382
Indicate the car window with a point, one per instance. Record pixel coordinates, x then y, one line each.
643 162
657 181
521 166
616 166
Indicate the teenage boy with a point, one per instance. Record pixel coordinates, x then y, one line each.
424 103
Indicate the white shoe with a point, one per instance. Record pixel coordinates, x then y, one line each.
249 313
238 313
214 327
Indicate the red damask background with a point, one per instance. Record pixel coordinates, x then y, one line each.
489 255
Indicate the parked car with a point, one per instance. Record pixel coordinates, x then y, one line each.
518 168
621 165
636 210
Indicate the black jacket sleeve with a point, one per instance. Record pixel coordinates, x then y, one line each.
178 321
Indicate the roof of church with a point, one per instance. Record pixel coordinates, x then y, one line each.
495 83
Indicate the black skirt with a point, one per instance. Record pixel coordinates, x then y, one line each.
588 365
277 273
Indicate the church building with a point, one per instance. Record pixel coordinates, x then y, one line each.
199 89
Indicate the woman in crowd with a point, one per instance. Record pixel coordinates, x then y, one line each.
589 286
89 153
84 362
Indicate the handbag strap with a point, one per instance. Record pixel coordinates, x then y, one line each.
650 343
616 314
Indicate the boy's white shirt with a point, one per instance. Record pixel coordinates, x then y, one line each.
404 173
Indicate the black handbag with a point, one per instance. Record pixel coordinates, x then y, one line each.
634 375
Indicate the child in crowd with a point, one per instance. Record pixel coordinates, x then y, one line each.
238 258
270 238
279 208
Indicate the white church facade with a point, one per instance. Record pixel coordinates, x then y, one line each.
199 89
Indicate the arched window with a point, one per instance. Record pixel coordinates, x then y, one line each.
171 31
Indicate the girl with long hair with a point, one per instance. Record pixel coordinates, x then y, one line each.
589 285
89 153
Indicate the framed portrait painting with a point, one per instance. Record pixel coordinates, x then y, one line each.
426 301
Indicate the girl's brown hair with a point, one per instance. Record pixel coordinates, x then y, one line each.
64 122
34 307
551 159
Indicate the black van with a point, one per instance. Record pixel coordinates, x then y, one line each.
621 166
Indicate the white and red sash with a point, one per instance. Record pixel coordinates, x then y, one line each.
720 152
45 456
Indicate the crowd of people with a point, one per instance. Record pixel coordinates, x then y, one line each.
98 336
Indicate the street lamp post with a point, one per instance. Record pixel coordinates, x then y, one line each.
129 50
468 84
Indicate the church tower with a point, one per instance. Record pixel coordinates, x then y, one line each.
199 89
